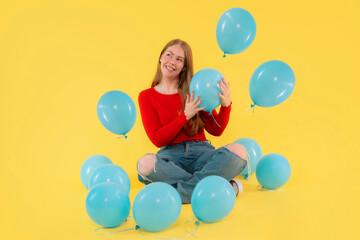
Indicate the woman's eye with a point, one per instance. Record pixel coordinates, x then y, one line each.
179 59
169 55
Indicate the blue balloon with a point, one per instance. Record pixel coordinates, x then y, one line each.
117 112
212 199
156 207
110 173
255 153
205 84
108 205
89 167
273 171
235 31
271 83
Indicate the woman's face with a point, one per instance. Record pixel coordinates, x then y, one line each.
172 61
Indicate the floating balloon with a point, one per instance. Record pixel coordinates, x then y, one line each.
205 84
235 31
273 171
255 153
117 112
89 167
110 173
108 205
156 207
271 83
212 199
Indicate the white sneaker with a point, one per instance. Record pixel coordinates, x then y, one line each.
238 187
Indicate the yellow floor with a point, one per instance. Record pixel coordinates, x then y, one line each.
57 58
301 210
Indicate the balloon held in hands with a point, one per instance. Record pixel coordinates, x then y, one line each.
205 84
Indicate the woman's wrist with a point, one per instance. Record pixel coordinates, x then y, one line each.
186 116
226 105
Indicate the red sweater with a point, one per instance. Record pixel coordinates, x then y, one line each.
164 119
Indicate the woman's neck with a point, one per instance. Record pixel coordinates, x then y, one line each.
167 86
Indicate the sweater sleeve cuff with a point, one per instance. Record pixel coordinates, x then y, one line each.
183 118
227 108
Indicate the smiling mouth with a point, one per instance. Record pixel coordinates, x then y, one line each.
170 68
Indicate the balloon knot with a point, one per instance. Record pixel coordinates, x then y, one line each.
224 55
137 227
253 108
124 137
197 222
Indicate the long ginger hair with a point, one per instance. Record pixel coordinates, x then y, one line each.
195 124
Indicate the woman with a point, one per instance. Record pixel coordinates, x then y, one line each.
174 122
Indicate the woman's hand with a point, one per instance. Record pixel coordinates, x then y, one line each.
192 106
225 97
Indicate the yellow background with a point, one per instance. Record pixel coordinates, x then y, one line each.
57 58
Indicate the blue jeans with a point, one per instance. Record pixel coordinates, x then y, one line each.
183 165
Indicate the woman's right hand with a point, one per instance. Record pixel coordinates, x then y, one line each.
192 106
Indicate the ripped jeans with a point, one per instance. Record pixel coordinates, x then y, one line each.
183 165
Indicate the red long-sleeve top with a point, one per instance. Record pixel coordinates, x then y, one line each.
164 119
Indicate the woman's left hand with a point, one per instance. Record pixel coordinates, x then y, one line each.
225 89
